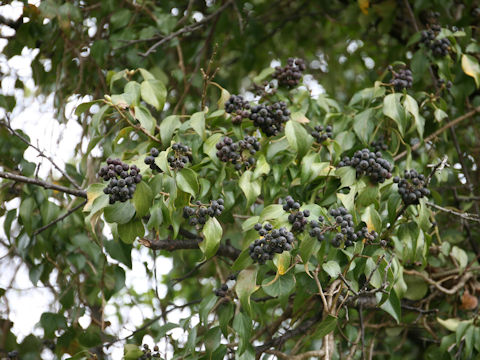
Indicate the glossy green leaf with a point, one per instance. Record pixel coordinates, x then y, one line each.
154 93
212 234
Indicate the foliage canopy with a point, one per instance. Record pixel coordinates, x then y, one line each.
375 253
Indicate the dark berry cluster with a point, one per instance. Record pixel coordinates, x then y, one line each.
321 134
222 291
297 218
347 233
439 47
369 163
238 107
150 159
238 153
379 144
272 241
13 355
199 213
412 187
402 78
447 84
290 75
316 230
122 183
270 118
148 353
180 157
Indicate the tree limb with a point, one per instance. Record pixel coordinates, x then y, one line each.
69 212
439 131
44 184
40 152
187 29
228 251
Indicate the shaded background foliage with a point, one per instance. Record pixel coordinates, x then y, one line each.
206 50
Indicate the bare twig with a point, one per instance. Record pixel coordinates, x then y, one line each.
460 284
44 184
187 29
40 152
69 212
463 215
228 251
136 127
439 131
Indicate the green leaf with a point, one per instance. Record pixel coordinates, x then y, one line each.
417 288
119 213
168 127
326 326
262 167
51 322
212 234
209 146
461 256
280 287
394 110
154 93
130 231
412 107
187 181
273 211
363 125
471 67
224 96
308 246
263 74
131 352
243 327
250 223
145 119
392 305
142 199
298 138
449 324
246 286
85 106
242 261
347 175
439 114
251 188
332 268
197 122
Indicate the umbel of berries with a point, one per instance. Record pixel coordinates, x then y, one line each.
379 144
150 159
270 118
290 75
148 353
297 218
180 157
439 47
272 241
402 78
347 233
412 187
239 153
200 212
122 182
321 134
369 163
238 107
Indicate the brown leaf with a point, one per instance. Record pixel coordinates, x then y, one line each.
469 302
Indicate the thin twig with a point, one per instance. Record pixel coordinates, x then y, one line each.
40 152
439 131
466 216
186 29
136 127
44 184
69 212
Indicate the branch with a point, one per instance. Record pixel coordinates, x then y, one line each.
466 216
44 184
228 251
280 340
14 24
187 29
439 131
69 212
460 284
40 152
